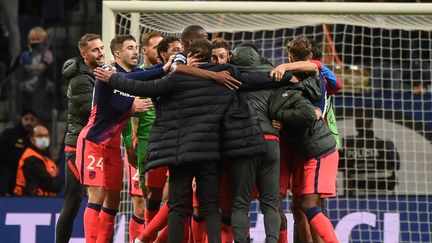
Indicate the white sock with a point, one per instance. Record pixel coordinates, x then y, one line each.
137 241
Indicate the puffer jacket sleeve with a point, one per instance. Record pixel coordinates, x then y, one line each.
146 74
252 81
292 109
150 88
81 94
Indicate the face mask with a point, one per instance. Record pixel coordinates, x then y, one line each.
42 143
36 45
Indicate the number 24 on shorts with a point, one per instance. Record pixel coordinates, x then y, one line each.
99 163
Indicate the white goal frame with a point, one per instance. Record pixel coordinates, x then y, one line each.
109 8
139 17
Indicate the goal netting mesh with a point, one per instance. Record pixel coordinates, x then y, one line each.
384 61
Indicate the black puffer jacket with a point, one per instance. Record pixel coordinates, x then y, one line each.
191 114
80 95
292 106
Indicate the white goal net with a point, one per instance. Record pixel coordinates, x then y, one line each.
383 55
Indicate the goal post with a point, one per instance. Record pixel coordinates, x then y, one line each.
277 9
380 51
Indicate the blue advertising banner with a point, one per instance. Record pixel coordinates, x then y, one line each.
30 219
378 219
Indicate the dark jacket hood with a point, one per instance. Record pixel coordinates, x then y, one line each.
246 59
75 66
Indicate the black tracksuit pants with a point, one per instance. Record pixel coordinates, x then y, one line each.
263 170
180 198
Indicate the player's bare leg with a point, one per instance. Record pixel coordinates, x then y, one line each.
311 206
138 206
302 232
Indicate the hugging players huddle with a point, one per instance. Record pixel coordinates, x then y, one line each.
227 123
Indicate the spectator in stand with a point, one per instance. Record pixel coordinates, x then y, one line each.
369 163
35 88
419 87
4 49
13 142
37 174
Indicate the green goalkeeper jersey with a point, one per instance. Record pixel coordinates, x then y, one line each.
145 122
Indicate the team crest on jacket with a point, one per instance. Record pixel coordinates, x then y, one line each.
92 175
136 184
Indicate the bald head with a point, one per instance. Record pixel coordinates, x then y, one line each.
191 33
40 137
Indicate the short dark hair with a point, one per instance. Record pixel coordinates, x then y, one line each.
164 44
83 42
299 48
29 111
191 32
220 43
118 40
145 40
203 47
316 51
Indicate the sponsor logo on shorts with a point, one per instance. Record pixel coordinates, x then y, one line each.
92 175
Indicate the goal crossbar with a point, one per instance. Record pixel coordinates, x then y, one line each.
275 14
270 7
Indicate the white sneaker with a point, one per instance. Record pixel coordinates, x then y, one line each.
137 241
